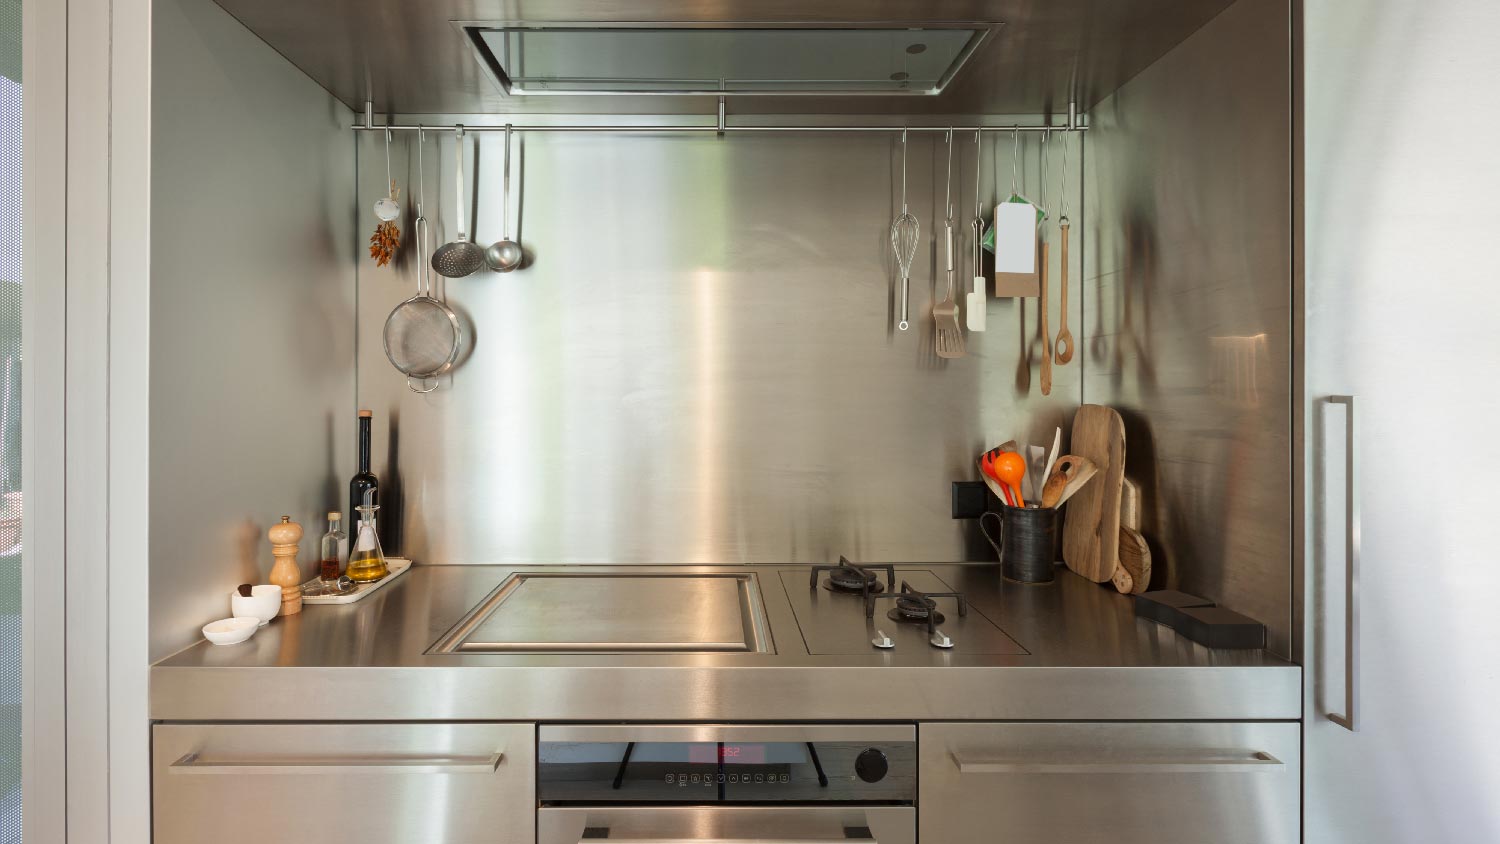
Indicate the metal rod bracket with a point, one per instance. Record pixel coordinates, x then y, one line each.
722 121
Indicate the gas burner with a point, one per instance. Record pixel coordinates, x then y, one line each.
916 607
848 577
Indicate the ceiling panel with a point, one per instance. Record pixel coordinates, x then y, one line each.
406 56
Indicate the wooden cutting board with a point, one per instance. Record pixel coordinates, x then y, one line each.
1091 531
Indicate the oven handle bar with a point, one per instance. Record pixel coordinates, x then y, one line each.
191 764
732 733
1255 761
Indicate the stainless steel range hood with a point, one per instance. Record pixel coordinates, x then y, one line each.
418 58
678 59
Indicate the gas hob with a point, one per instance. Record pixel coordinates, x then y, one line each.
852 609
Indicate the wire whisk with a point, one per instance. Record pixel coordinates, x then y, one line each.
905 233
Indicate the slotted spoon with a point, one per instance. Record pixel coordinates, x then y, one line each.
459 257
950 335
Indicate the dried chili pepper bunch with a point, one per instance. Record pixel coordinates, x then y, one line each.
386 240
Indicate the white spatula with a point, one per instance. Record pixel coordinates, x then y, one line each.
974 314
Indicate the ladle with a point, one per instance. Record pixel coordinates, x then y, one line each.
505 254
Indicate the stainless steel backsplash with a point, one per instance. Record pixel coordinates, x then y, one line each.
1188 303
698 364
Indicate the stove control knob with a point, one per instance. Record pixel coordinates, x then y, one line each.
871 765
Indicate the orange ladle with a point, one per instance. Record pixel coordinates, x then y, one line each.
1010 468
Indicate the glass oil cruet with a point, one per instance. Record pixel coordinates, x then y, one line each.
367 561
333 549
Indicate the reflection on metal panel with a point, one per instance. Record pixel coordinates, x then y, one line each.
1400 307
251 399
698 363
1188 305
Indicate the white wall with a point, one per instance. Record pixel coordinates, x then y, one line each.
252 311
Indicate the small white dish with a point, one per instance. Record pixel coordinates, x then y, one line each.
231 631
264 603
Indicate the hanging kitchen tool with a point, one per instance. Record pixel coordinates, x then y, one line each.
974 310
905 232
422 336
386 208
1063 350
950 335
458 258
505 254
386 241
1044 335
1014 236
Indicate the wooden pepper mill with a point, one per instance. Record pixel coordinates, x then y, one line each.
286 573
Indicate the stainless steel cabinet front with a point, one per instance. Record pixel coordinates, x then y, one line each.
344 783
1109 783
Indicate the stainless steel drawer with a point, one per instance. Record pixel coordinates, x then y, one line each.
727 825
1109 783
342 784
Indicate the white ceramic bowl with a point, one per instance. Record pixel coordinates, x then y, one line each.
231 631
264 603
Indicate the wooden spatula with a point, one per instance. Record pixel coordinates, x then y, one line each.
1069 474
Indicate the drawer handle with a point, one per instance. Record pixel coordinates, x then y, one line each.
191 764
1257 761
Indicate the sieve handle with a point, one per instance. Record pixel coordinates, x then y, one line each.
424 280
458 173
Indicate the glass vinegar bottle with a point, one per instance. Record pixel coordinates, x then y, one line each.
366 560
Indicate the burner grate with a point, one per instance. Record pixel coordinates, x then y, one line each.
916 607
854 579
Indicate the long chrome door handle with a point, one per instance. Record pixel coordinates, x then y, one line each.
1349 718
1253 761
191 764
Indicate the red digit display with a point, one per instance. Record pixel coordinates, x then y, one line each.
729 754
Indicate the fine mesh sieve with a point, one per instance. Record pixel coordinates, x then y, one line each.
422 335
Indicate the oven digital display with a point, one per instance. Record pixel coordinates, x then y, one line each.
728 754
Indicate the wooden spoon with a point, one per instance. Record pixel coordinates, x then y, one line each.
1063 350
1069 474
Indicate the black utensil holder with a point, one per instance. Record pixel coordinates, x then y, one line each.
1027 543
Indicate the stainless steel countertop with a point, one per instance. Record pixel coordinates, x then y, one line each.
1087 658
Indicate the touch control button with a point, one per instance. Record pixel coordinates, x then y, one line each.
871 765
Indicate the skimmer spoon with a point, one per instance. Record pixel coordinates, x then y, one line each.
458 258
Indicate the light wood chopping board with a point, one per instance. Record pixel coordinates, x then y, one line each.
1091 531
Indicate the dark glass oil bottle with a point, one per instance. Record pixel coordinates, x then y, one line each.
364 481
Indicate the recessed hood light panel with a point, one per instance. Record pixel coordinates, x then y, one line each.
536 59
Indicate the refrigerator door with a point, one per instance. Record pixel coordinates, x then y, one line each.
1400 628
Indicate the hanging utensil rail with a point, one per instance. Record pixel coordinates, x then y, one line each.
1073 124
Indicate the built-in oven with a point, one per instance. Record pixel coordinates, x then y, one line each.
770 784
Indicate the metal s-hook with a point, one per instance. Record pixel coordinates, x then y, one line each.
1063 217
1015 160
978 166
